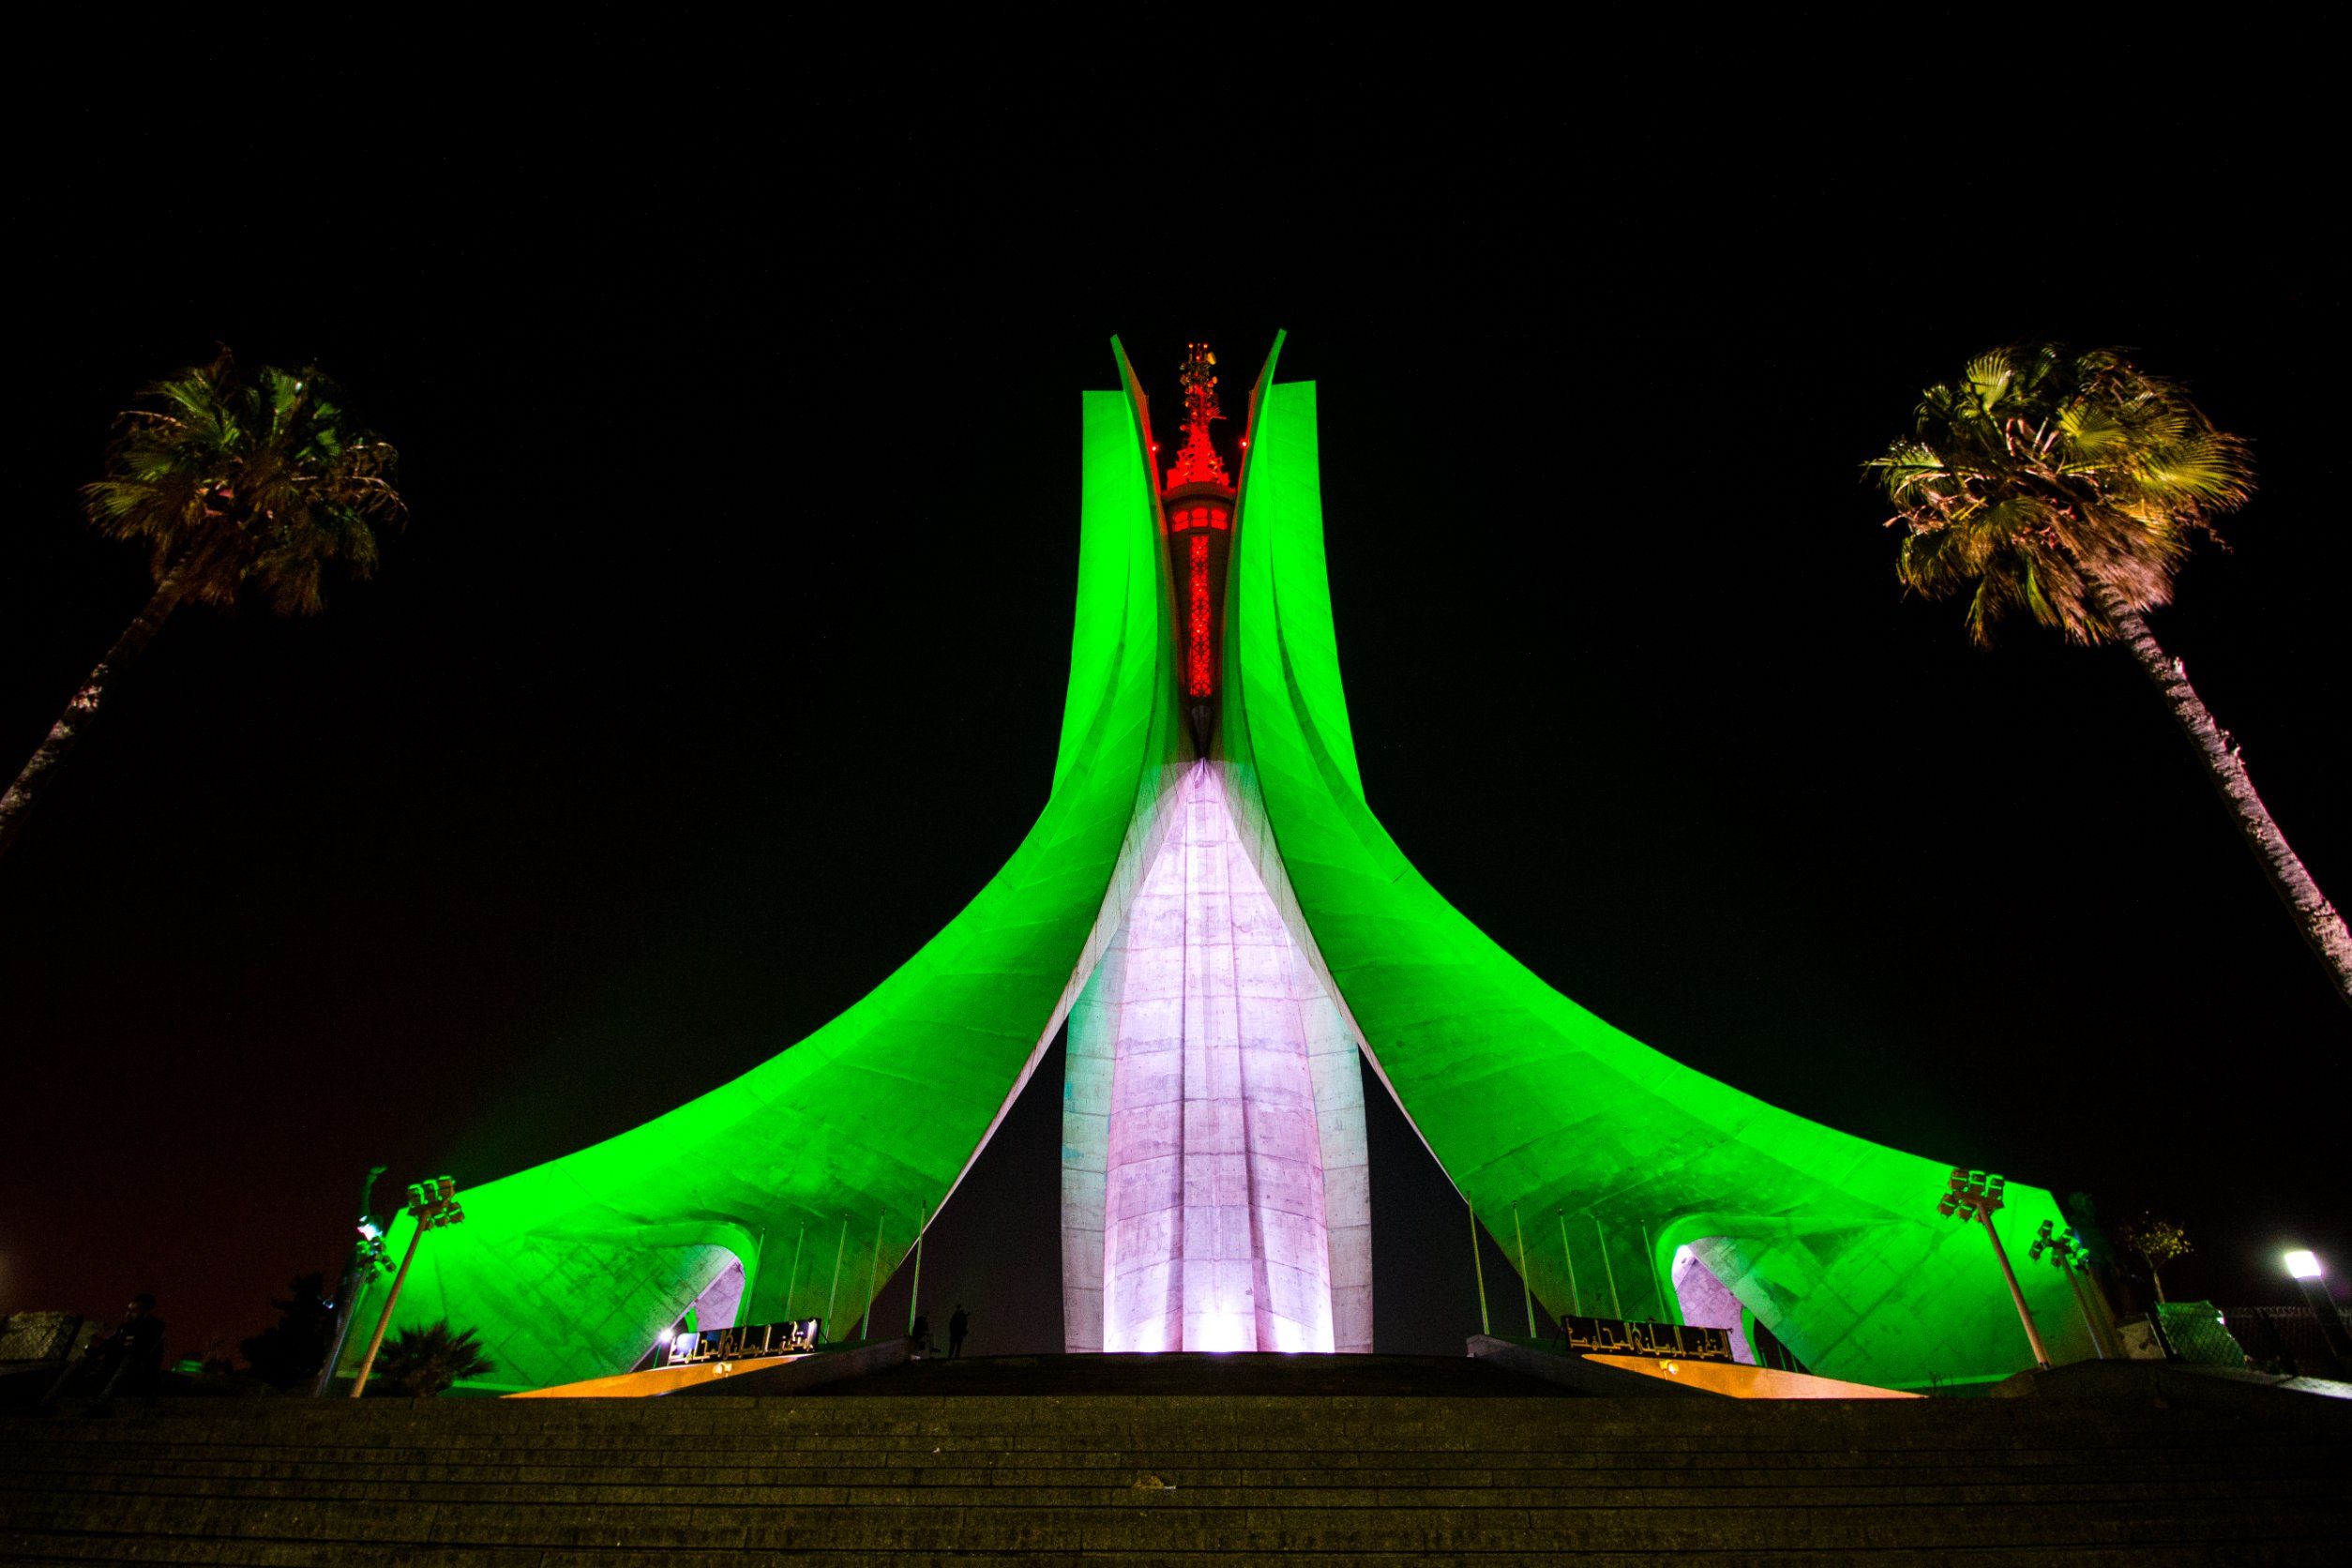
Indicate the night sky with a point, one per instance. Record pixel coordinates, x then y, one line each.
723 657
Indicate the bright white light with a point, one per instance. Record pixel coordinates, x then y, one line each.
1227 1330
2302 1265
665 1336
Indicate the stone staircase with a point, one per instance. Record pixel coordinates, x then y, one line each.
1447 1462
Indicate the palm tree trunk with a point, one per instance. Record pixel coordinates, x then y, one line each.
2322 927
83 707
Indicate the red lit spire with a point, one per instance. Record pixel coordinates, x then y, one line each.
1198 462
1199 505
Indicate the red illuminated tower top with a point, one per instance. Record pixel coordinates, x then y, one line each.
1198 501
1199 462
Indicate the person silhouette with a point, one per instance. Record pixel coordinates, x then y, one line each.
959 1324
921 1333
131 1359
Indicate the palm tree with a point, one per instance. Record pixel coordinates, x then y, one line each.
2070 486
236 482
425 1362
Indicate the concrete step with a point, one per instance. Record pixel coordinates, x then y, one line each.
1592 1423
639 1505
58 1552
1117 1467
1249 1477
1171 1522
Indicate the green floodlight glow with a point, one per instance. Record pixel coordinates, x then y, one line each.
2303 1263
571 1268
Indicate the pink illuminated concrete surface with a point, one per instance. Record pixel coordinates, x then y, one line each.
1215 1191
1708 1304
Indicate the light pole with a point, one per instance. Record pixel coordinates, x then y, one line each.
2303 1265
432 1204
367 1256
2061 1250
1976 1195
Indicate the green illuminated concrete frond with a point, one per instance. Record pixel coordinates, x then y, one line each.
570 1269
1532 1104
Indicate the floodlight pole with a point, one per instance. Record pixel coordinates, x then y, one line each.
2033 1335
2081 1304
357 1271
431 1204
2061 1250
1478 1265
1975 1195
2322 1303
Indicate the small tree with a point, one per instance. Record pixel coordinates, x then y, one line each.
425 1362
2158 1242
292 1350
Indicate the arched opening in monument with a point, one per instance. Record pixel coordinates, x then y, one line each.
716 1306
1705 1302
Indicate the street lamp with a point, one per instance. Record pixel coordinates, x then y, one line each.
2062 1249
2302 1265
432 1204
1975 1195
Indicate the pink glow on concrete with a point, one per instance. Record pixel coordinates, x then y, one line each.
1230 1075
1708 1302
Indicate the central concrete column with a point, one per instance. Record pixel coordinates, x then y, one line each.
1211 1082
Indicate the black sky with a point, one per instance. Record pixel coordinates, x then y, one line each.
723 657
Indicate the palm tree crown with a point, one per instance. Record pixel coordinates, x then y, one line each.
232 482
237 481
425 1362
2069 486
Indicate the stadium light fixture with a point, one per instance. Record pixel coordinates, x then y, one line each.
2062 1248
1977 1195
432 1204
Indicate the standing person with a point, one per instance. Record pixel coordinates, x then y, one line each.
131 1359
921 1333
958 1325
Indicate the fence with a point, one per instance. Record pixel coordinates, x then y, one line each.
39 1336
2277 1335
